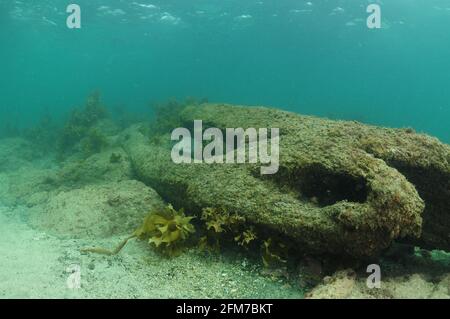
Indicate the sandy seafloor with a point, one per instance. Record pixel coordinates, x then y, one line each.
36 265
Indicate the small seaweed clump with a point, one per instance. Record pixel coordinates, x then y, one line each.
94 142
80 124
222 226
274 253
166 229
246 237
166 116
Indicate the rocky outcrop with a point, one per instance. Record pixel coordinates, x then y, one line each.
96 211
348 284
110 165
343 188
31 184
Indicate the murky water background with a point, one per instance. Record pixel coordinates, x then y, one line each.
312 57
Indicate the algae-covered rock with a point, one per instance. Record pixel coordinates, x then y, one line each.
32 184
111 165
423 160
338 189
97 211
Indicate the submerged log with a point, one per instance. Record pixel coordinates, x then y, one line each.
343 188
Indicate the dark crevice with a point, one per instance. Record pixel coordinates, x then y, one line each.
433 187
325 187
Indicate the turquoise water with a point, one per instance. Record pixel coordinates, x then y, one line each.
74 187
312 57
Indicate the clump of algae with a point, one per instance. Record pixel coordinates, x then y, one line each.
80 125
94 142
220 226
246 237
224 227
167 115
274 253
165 229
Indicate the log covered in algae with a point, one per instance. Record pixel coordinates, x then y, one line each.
343 188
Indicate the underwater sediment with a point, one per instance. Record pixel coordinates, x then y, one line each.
343 188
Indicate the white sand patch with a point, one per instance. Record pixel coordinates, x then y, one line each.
29 266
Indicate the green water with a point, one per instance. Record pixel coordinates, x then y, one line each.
76 177
312 57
